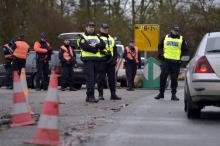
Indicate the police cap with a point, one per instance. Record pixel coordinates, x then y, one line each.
90 23
104 25
176 28
43 35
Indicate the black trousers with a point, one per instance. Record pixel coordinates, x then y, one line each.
131 70
172 69
8 74
18 64
109 70
42 78
67 75
91 68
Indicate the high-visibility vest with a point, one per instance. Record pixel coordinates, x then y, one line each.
132 54
92 40
39 49
21 50
172 47
109 44
68 53
9 52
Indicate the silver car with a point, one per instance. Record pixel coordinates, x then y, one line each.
202 82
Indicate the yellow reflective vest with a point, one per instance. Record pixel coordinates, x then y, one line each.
92 40
172 47
109 44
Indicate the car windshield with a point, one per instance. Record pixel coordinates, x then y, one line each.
213 45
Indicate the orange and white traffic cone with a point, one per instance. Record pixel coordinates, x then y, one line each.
25 88
47 132
20 114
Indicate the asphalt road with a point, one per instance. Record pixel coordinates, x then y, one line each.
136 120
148 122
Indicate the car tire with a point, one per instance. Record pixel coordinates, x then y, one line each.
192 110
77 86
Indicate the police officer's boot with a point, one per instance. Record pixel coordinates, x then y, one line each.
114 96
173 97
159 96
63 89
91 98
101 95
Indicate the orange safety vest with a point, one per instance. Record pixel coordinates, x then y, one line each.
67 55
38 49
21 50
132 55
8 55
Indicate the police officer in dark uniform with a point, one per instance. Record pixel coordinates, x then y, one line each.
8 50
171 48
90 44
108 65
132 62
68 59
43 55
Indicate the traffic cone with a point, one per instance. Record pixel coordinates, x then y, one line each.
47 132
25 88
20 114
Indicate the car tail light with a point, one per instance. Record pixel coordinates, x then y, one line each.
203 66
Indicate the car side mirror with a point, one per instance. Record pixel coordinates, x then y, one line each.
185 58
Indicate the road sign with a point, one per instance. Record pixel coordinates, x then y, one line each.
152 74
147 36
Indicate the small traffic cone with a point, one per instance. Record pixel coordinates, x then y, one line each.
47 132
20 115
25 88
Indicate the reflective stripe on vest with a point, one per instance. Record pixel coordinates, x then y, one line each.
92 40
172 47
21 50
109 44
67 55
132 55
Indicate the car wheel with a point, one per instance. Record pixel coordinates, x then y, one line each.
123 83
77 86
192 110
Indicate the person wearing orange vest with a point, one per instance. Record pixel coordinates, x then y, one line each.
8 50
43 54
20 54
67 59
132 61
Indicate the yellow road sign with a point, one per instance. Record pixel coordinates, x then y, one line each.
147 36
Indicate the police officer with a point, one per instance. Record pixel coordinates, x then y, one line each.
171 48
132 62
20 54
67 59
108 65
90 44
8 50
43 54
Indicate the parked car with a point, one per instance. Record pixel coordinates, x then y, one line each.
202 76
